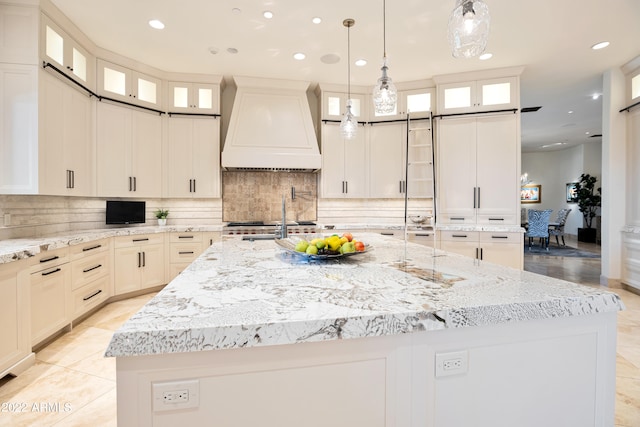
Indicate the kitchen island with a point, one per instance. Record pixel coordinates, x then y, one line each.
402 335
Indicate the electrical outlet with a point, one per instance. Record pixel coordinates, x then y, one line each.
174 395
453 363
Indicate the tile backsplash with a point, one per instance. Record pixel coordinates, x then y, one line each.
253 196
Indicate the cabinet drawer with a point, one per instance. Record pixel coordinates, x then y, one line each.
501 219
184 252
176 269
499 237
185 237
422 237
459 236
446 218
89 248
48 259
89 268
139 240
49 306
90 296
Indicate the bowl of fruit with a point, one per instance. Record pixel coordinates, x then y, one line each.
333 246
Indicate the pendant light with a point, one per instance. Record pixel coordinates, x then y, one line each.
385 94
349 124
469 28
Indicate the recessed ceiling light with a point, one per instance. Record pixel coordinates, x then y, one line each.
361 62
267 14
595 96
555 144
299 56
316 20
157 24
600 45
485 56
330 58
570 111
232 50
586 133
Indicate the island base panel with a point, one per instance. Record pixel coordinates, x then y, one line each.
553 372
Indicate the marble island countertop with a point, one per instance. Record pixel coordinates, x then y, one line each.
253 293
17 249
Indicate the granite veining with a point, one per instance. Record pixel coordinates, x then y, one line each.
253 293
17 249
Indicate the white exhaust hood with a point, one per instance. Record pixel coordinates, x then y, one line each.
271 127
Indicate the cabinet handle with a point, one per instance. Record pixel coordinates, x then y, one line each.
499 237
479 200
92 295
139 259
400 186
141 240
49 259
186 253
210 242
185 237
73 179
346 186
90 248
135 184
190 186
130 183
481 255
68 178
496 219
51 272
144 259
459 235
423 234
92 268
474 197
457 218
194 185
386 233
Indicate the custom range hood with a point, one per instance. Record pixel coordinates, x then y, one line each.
271 127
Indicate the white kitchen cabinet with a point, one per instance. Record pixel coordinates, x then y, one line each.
479 95
18 129
199 98
91 266
420 160
183 249
387 143
50 295
416 102
15 346
19 34
209 238
139 262
129 152
425 237
344 163
66 145
334 105
66 54
478 170
193 161
503 248
123 84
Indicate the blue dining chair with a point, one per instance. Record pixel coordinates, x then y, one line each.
538 226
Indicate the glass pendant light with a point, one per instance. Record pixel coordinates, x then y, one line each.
385 94
349 124
469 28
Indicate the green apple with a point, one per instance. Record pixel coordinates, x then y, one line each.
312 250
302 246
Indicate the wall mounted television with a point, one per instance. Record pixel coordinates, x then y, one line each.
125 212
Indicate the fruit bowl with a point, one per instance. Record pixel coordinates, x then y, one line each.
289 245
418 219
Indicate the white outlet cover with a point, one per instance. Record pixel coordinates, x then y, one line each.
458 358
160 388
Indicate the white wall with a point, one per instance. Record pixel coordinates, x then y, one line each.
554 169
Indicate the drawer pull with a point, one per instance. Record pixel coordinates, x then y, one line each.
185 253
51 272
185 237
499 237
459 235
457 218
386 233
92 295
90 248
423 234
141 240
92 268
49 259
496 219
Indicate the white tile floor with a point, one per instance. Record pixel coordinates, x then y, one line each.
74 385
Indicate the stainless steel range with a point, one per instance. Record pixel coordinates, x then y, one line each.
266 230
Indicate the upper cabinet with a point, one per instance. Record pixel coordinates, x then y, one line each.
18 34
334 106
417 103
123 84
478 95
66 54
198 98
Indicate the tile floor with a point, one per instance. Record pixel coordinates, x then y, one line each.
73 385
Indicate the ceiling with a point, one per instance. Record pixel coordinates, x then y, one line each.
551 38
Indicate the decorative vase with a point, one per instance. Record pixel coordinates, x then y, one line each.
162 221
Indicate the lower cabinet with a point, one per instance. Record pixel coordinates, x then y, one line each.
631 259
90 275
503 248
50 295
424 237
15 345
183 249
139 262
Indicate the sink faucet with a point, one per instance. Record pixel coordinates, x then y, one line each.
283 233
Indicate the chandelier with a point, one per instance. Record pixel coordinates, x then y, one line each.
349 124
468 28
385 95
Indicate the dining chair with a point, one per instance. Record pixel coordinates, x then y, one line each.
558 228
538 226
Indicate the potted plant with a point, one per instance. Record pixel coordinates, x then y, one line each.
162 215
589 199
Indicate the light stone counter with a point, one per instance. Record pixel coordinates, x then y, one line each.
252 293
17 249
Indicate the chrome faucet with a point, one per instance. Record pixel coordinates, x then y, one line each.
283 233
